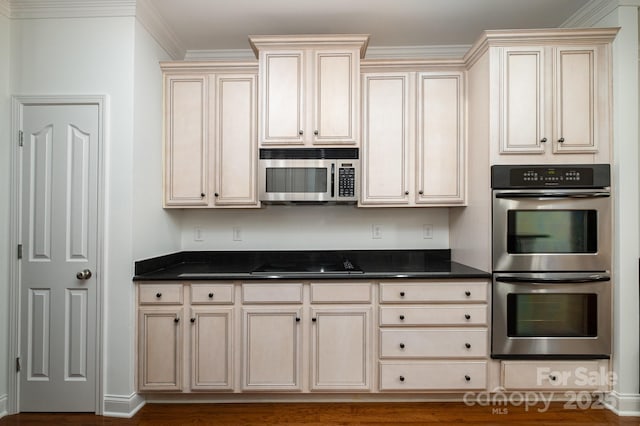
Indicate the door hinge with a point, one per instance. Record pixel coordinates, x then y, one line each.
18 367
20 138
19 251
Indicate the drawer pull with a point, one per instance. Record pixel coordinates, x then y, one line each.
467 293
176 320
467 316
467 378
158 295
402 294
401 317
401 345
553 378
193 320
210 295
467 345
402 378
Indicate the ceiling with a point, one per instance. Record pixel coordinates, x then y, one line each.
226 24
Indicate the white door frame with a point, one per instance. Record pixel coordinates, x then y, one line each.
101 101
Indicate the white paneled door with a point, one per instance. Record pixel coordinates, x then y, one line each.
59 210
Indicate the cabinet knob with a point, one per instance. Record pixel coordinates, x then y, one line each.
401 345
210 295
300 132
158 295
543 140
314 319
402 378
561 140
553 378
315 132
202 195
467 293
215 194
193 320
406 192
297 319
467 345
467 378
401 317
421 192
467 316
402 294
176 320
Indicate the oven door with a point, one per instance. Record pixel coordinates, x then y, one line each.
551 315
551 230
297 180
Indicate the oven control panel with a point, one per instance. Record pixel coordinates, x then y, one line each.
542 176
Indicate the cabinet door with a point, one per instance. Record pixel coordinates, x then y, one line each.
160 349
271 349
235 141
335 97
340 349
385 156
185 182
440 140
282 97
576 100
522 99
211 349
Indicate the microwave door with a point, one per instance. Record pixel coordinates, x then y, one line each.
302 180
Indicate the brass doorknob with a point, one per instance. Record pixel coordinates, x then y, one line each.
84 275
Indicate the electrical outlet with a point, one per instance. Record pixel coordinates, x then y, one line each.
237 233
427 231
376 232
198 234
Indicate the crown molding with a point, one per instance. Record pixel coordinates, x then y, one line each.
593 12
149 17
417 52
5 10
36 9
220 55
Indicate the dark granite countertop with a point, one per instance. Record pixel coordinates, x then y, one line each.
314 265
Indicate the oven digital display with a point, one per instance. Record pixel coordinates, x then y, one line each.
552 315
552 231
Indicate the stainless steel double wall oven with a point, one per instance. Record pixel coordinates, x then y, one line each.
551 261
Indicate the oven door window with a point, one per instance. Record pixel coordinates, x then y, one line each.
552 315
552 231
296 179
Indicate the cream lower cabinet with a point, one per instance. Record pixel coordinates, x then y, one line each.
413 139
594 375
433 335
210 137
185 345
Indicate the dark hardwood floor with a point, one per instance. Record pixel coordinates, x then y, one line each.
370 413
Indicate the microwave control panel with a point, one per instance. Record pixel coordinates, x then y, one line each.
542 176
346 181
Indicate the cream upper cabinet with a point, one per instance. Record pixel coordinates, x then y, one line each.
413 145
309 89
210 137
186 142
550 99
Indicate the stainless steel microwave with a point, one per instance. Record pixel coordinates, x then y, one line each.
309 175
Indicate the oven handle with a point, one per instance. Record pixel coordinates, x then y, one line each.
555 280
553 195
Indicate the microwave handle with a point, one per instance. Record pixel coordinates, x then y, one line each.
333 180
553 195
588 278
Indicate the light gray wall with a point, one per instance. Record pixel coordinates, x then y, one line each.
5 166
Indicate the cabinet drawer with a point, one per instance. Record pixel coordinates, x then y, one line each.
272 293
211 294
447 342
434 315
160 294
340 293
550 375
454 291
433 375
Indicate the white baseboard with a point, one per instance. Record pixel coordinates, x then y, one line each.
624 404
125 406
4 400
